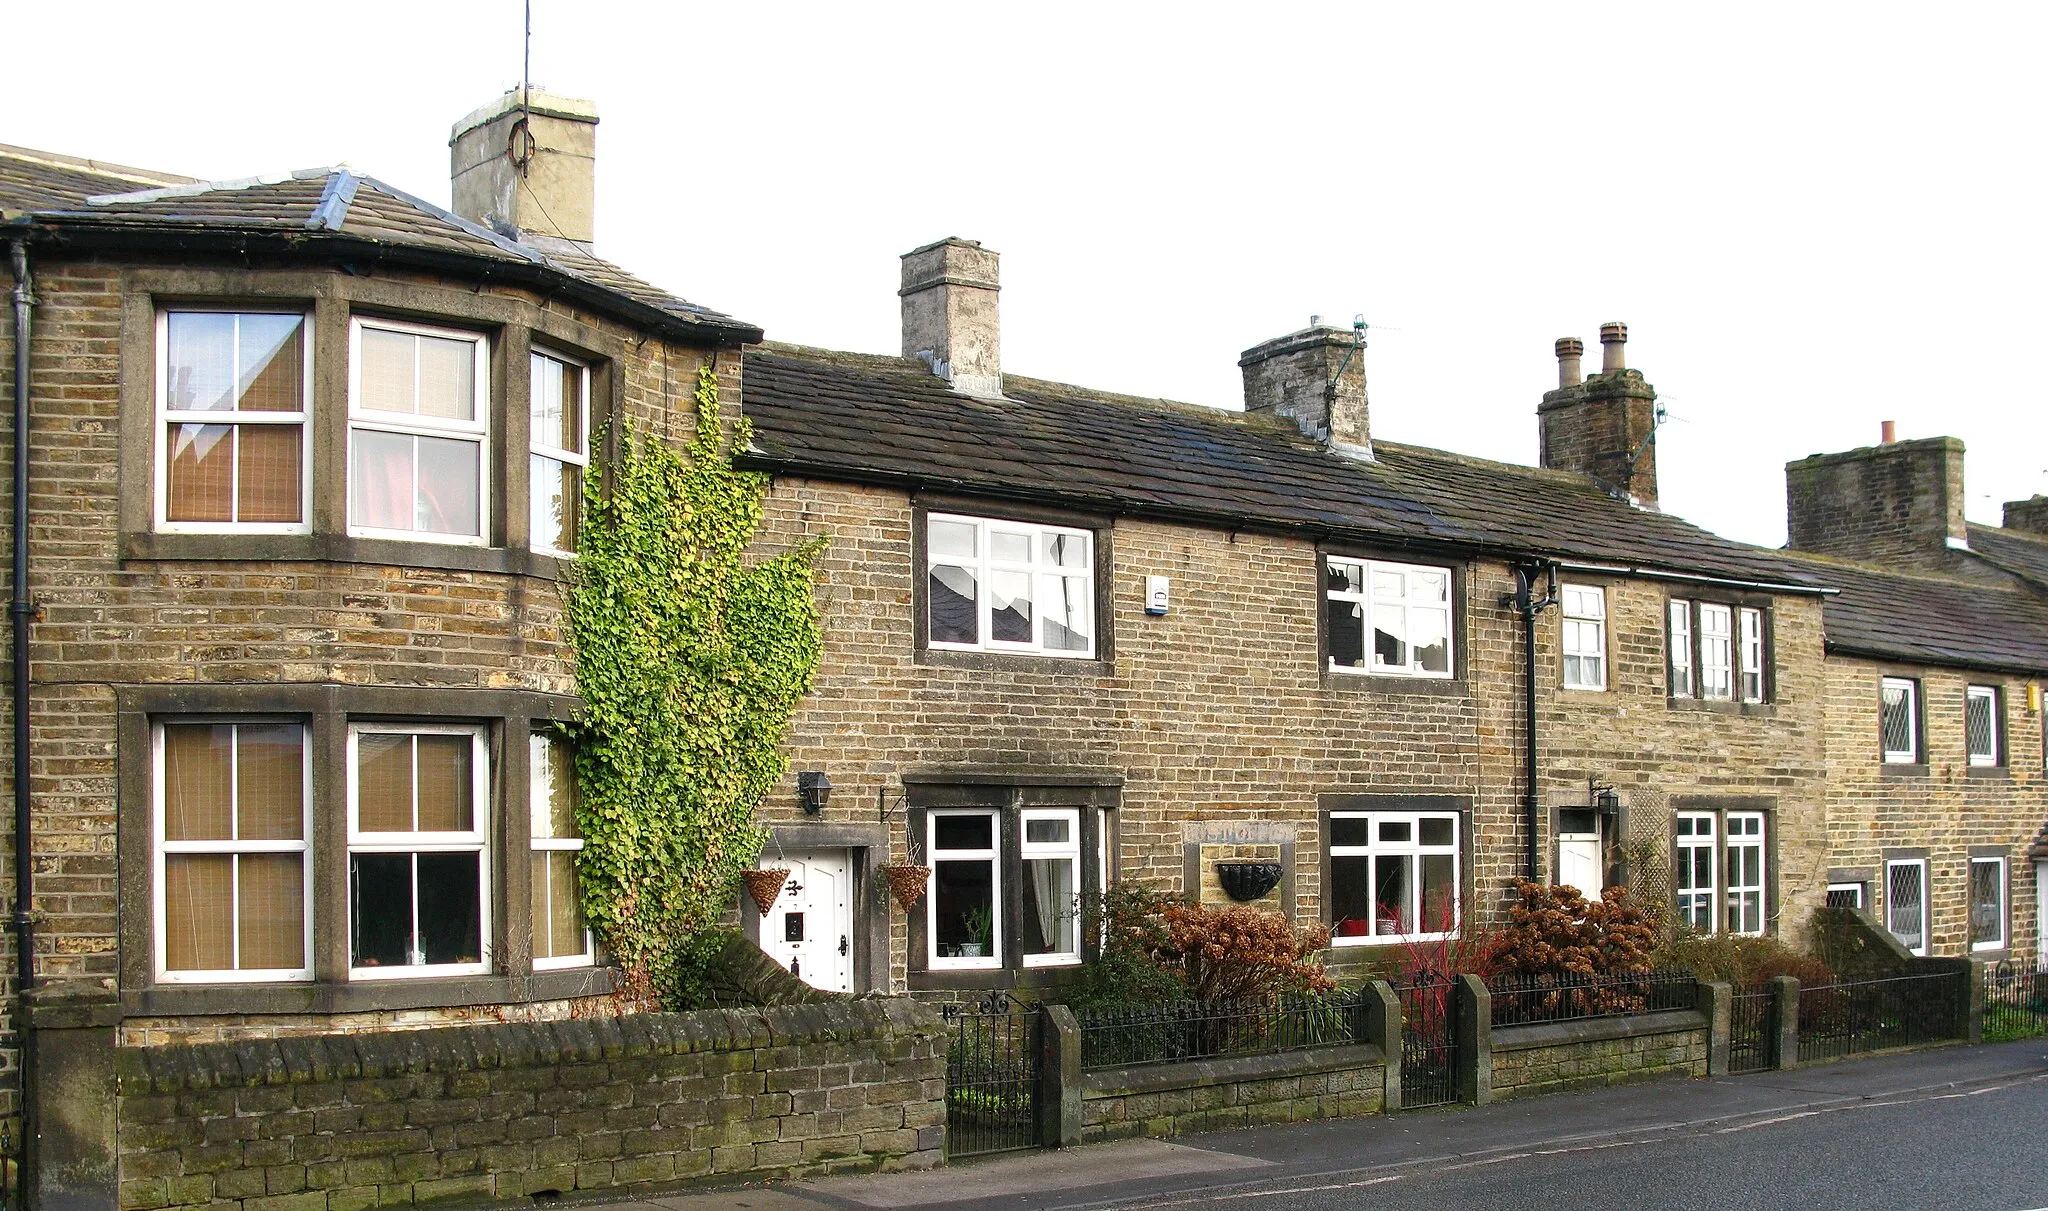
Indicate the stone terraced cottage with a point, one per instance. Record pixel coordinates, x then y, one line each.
1073 637
296 463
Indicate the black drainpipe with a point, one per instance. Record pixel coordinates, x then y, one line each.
1524 602
19 610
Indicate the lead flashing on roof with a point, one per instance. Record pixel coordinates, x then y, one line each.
198 188
332 211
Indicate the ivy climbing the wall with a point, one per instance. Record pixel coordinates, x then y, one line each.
691 659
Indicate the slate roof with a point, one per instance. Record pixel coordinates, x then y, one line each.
355 215
2015 551
1921 619
40 180
890 420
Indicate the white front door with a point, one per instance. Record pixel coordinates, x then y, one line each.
810 929
1580 862
2041 915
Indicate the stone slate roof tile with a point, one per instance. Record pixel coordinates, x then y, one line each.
889 419
37 180
318 202
2015 551
1922 619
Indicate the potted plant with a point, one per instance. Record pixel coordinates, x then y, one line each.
979 924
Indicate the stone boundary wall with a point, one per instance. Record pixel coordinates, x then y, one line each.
507 1111
1556 1056
1247 1091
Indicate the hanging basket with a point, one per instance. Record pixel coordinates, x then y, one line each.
1247 881
765 885
906 882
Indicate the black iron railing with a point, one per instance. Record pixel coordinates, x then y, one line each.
2015 1003
1874 1015
1197 1030
1750 1022
1429 1041
992 1063
1521 1000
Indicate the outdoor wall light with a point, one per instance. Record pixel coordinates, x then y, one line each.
813 789
1606 800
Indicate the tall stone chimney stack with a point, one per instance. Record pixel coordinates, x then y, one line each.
528 165
1604 426
950 316
1316 377
1899 503
2029 515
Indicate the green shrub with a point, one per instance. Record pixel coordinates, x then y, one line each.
1743 962
1127 972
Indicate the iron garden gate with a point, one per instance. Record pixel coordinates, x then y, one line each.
1429 1042
992 1059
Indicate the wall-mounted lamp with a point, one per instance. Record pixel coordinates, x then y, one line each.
813 790
1606 800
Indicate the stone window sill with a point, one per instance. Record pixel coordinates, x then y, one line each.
336 548
1759 710
1014 662
379 996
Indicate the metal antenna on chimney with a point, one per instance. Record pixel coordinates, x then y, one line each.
519 141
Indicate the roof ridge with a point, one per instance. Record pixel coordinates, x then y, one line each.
100 168
197 188
476 229
1920 574
2011 532
332 210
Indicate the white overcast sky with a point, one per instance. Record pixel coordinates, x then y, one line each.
1812 217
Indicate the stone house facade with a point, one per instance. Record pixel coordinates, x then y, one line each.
1191 681
303 459
1937 642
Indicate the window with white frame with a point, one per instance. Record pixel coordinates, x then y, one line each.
1717 652
964 909
1585 637
1695 871
1905 902
1745 872
1004 586
1980 724
418 873
1393 877
560 410
1388 618
1847 895
1899 720
1680 614
1751 622
1050 931
561 936
231 397
232 802
419 429
1987 903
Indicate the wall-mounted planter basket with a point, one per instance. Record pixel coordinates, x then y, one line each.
906 882
1247 881
765 886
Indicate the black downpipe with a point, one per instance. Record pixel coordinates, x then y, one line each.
1525 603
19 611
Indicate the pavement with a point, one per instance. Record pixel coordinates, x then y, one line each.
1943 1105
